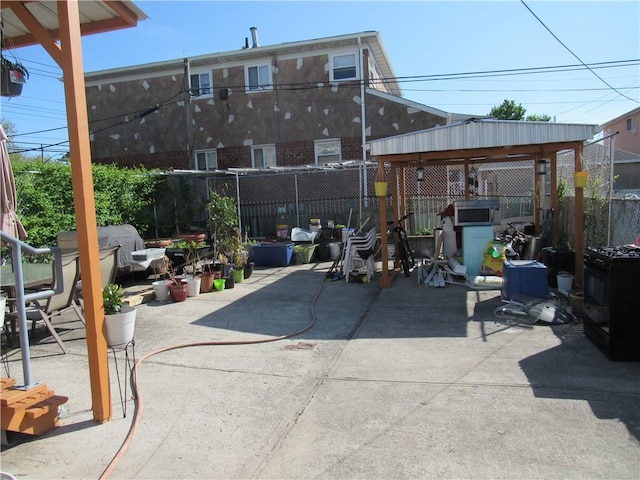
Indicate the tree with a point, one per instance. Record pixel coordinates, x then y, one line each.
538 118
509 110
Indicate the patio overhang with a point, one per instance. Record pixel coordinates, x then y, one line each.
474 142
58 26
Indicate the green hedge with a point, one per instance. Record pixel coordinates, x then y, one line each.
46 205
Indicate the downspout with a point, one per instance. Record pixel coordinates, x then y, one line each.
363 190
187 105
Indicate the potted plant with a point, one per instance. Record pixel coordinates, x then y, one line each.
223 223
120 317
178 288
192 260
13 76
206 278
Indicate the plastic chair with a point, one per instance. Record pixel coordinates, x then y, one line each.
358 247
59 302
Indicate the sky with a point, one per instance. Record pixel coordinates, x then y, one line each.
426 40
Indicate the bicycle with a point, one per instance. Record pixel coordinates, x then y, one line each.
404 253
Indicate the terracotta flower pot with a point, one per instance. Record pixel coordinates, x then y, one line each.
206 283
179 291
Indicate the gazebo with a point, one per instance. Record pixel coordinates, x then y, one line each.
474 142
58 26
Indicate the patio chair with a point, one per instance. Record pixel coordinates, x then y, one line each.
360 250
58 303
108 270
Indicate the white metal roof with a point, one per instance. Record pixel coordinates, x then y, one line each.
482 133
95 16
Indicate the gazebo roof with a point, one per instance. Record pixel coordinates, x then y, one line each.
467 138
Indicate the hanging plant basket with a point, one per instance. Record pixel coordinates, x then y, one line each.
12 77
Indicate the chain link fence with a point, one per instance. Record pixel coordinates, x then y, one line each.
270 199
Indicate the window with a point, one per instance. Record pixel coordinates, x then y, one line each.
328 151
263 156
343 67
630 124
258 77
201 84
207 160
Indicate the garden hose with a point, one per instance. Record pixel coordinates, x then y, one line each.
139 405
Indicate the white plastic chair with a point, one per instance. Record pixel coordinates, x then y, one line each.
360 247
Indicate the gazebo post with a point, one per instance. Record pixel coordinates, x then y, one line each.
579 219
553 163
385 279
537 200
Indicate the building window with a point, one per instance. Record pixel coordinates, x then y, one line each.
258 77
328 151
630 124
263 156
207 160
201 84
344 67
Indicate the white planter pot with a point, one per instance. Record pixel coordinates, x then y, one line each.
194 286
119 327
161 290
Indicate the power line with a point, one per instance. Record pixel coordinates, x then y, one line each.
576 56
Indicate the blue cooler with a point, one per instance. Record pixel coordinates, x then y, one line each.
524 277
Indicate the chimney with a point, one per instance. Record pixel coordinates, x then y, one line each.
254 37
246 43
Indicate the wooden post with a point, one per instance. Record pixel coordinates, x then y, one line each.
385 279
579 221
87 230
553 165
536 197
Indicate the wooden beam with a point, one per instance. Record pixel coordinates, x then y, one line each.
83 195
123 11
38 32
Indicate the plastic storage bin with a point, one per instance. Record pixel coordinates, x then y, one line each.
272 254
524 277
304 253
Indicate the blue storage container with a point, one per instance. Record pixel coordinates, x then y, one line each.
277 254
524 277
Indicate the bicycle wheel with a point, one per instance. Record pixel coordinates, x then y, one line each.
404 259
409 252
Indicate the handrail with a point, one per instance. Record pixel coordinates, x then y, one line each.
23 299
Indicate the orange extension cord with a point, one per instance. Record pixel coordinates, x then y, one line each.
139 406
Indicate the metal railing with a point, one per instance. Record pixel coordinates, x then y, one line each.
22 298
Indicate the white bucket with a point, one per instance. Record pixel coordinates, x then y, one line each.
334 250
161 290
194 286
565 282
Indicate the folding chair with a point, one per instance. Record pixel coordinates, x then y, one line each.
59 302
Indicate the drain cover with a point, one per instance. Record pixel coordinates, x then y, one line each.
301 346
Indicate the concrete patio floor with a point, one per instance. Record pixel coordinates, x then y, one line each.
406 382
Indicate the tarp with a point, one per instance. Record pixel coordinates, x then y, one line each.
124 235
